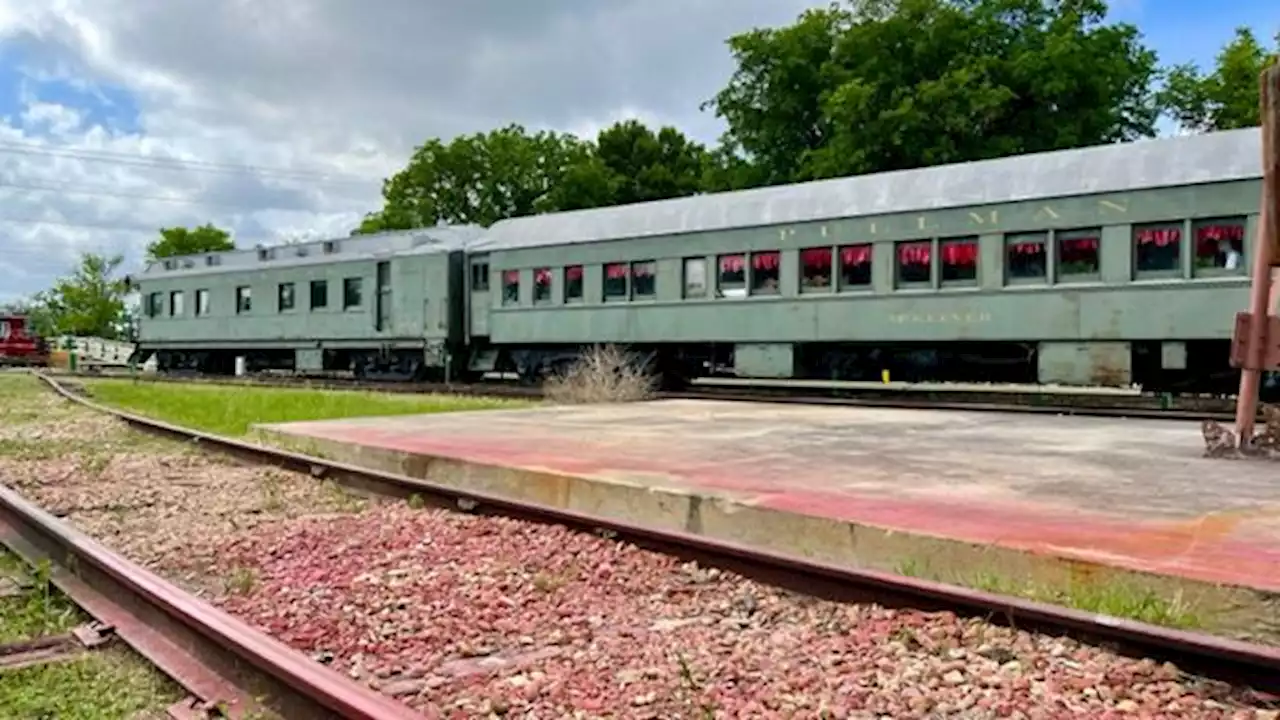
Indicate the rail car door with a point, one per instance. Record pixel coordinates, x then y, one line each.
382 300
478 295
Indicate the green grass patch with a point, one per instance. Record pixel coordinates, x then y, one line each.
233 411
1115 597
112 683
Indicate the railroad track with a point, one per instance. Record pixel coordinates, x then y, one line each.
1057 403
227 668
1240 663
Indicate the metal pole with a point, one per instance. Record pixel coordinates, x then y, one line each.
1263 257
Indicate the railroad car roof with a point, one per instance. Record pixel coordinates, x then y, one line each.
1146 164
421 241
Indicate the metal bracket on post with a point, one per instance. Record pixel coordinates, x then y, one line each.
1269 358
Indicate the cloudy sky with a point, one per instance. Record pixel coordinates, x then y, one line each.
279 119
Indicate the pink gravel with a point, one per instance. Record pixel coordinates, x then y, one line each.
465 616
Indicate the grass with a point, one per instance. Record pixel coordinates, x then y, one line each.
58 429
1117 598
233 411
104 684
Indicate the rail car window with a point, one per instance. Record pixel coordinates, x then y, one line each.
855 266
284 296
510 287
695 277
155 305
1026 257
202 302
573 283
1157 247
244 299
815 269
1219 244
1078 257
541 286
915 258
352 293
644 279
615 282
480 277
765 272
319 294
176 302
959 261
732 278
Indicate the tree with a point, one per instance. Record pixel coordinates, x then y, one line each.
88 302
1224 99
177 241
883 85
487 177
643 165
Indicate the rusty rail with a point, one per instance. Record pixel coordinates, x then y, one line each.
1248 664
227 667
973 400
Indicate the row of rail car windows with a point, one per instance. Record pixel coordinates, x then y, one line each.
286 299
1030 258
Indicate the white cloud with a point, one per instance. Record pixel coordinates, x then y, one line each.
338 87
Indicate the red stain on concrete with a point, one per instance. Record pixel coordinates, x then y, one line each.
1210 548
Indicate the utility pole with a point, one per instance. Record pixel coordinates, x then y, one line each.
1256 341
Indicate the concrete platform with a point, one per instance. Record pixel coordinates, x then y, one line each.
983 499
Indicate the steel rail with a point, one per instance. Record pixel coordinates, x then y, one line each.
1079 404
227 667
1255 666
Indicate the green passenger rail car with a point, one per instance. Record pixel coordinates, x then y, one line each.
389 305
1109 265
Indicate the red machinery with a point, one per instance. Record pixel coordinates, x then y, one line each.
18 346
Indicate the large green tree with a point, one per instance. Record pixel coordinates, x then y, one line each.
1225 98
88 302
509 172
177 241
646 165
487 177
883 85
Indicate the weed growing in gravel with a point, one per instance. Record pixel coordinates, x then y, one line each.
241 581
233 411
605 374
344 499
106 684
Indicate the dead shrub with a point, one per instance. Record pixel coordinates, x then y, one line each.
604 374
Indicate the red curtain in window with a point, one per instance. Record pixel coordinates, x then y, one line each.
960 253
855 255
766 260
1208 236
613 272
1159 237
511 277
1080 245
573 273
731 264
816 257
641 270
542 276
915 253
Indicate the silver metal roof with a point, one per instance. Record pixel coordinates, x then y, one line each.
1146 164
422 241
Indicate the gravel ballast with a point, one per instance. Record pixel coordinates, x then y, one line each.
466 616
